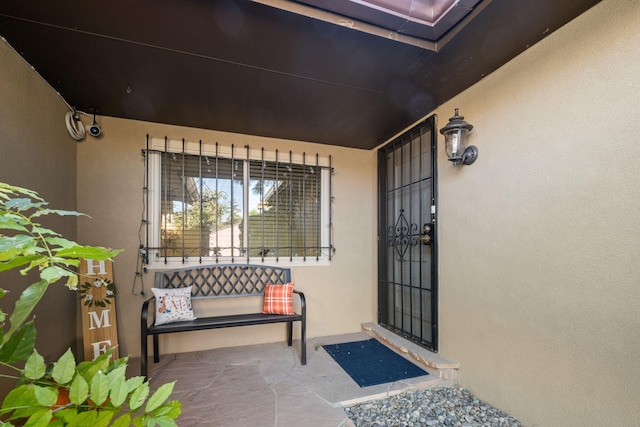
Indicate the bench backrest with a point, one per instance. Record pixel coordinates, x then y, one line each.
223 280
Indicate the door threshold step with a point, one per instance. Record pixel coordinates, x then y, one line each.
446 369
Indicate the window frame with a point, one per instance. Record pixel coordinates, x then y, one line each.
157 147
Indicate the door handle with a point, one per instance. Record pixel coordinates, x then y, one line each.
425 236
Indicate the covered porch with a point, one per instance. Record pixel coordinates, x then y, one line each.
538 261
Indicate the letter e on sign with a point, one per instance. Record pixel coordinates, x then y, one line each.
100 347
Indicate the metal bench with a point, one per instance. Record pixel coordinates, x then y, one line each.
220 281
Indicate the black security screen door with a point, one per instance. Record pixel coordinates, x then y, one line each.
407 276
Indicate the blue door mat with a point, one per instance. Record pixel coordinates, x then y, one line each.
371 363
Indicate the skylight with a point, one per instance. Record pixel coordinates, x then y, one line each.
423 19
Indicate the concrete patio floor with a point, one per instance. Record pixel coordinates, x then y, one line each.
265 385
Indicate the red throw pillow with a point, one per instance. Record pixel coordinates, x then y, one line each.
278 299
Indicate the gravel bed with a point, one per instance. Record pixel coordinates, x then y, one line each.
451 406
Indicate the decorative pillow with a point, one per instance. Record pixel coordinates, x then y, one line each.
173 305
278 299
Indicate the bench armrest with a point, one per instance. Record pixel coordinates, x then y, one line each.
144 316
303 303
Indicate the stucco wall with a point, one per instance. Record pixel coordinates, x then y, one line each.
339 296
36 152
539 268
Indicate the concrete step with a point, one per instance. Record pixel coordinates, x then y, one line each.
445 369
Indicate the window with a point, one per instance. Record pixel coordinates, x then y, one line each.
208 203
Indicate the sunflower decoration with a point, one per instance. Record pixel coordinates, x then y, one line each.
89 299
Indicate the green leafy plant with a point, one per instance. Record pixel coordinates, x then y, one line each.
64 393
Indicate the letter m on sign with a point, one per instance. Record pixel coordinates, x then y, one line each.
99 328
99 321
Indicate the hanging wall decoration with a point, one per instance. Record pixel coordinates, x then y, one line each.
88 296
97 300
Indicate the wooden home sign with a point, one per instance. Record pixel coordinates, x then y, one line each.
98 303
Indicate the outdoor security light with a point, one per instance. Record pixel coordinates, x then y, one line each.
455 133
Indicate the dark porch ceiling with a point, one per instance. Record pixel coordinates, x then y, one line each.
249 67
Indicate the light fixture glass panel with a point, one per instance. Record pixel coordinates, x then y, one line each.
454 142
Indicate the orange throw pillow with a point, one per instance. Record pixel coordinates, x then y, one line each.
278 299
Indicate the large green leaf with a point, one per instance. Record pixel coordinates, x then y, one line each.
59 241
170 409
139 422
54 273
66 415
138 396
176 408
104 417
88 252
25 304
72 282
55 422
100 364
23 394
37 229
18 261
18 241
99 388
23 204
123 421
35 367
165 421
118 385
12 247
46 396
79 390
116 371
7 189
40 262
60 212
64 369
134 382
159 396
40 418
22 400
83 419
11 224
19 346
119 391
68 262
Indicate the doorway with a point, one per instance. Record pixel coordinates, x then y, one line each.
407 240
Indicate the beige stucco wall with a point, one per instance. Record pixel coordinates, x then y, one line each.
539 259
339 297
36 152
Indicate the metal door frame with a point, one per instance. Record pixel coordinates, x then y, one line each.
411 236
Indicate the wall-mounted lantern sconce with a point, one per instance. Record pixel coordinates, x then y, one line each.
455 132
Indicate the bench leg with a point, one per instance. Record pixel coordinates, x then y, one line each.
156 352
303 341
143 355
290 333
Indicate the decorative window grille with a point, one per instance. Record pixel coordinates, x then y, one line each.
210 203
